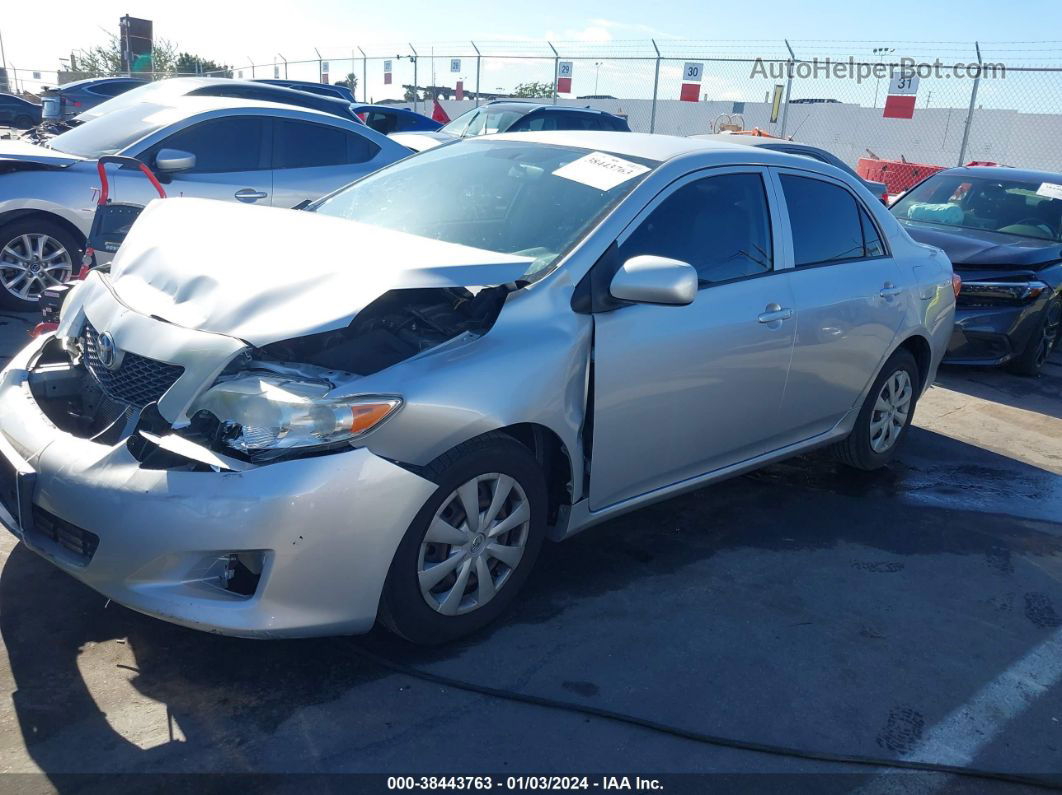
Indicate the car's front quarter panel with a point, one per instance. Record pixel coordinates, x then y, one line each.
67 193
531 367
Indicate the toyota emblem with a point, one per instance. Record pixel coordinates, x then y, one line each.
106 351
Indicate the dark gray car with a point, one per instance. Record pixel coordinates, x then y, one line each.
69 100
17 112
879 189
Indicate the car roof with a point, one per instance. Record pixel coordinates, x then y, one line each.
529 107
1003 172
94 80
186 106
751 140
651 146
393 108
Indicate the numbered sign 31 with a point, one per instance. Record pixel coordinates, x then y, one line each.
564 77
692 73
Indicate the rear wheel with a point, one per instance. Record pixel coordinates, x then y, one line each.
23 122
885 416
1044 340
34 254
472 546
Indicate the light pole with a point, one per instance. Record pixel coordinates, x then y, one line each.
597 74
881 52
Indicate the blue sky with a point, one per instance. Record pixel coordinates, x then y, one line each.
36 35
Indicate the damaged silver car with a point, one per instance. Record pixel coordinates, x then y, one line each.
266 422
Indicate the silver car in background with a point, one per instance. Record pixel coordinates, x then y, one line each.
501 340
210 147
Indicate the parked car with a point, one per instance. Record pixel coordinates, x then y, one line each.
1002 228
503 339
67 101
18 112
387 119
325 90
213 147
168 90
879 189
510 116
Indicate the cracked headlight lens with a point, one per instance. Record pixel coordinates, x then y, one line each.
269 412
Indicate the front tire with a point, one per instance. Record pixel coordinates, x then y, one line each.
1044 340
35 253
471 548
23 122
885 416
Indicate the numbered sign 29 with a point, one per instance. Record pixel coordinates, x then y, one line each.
692 74
387 73
564 77
455 65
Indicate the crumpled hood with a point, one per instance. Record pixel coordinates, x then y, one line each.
265 274
974 248
25 152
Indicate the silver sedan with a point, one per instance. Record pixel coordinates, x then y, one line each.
493 343
212 147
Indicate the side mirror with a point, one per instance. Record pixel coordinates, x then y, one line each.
655 280
173 160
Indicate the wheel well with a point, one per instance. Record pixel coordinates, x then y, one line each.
552 456
21 215
918 346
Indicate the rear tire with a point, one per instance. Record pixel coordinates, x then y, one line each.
885 416
23 122
1044 340
486 470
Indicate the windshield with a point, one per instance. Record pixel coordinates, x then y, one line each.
1009 206
110 134
481 121
503 196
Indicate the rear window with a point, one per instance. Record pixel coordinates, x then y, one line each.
299 144
827 223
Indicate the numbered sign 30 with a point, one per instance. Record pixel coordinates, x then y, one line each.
692 73
455 65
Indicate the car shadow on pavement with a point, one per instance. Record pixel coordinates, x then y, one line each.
1041 394
748 566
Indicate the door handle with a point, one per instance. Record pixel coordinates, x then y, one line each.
889 290
249 195
774 313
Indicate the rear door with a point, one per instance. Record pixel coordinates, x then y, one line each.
848 301
684 390
311 159
232 162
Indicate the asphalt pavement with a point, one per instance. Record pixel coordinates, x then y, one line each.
914 613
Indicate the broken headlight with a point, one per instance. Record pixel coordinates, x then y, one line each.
270 412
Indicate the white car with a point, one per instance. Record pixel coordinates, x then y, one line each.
210 147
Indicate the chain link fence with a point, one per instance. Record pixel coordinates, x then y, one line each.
997 103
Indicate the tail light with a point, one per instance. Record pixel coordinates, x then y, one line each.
43 328
885 198
956 284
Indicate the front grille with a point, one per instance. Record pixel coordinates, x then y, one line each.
138 380
68 537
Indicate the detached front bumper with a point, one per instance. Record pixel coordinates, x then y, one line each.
992 335
327 527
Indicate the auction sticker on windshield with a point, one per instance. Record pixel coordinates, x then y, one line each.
1051 190
600 171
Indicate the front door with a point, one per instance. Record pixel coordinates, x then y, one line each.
684 390
232 163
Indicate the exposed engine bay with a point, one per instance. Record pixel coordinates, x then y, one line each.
396 326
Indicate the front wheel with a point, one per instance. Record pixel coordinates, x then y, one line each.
885 416
471 547
34 254
1044 340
